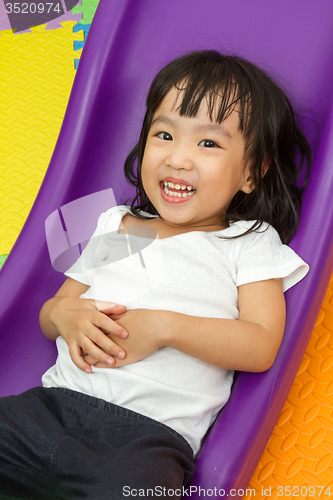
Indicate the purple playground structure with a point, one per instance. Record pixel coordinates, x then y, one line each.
128 42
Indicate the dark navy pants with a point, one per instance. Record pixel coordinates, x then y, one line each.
60 444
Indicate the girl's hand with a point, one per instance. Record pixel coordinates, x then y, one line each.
87 328
143 338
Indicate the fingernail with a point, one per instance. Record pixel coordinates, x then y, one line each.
87 370
110 361
120 355
123 334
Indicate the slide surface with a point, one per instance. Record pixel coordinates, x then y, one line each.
127 43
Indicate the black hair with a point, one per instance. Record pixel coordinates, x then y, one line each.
267 121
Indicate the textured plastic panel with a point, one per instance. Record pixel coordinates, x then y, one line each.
301 446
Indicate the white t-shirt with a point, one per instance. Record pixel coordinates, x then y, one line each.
195 273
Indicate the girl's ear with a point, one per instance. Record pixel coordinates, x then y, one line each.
249 184
265 167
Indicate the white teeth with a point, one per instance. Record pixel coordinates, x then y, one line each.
177 195
178 186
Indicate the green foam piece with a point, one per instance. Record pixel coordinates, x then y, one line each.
88 9
2 260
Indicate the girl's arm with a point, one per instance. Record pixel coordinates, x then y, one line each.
247 344
82 324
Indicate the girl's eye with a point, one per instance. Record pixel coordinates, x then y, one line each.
208 144
164 136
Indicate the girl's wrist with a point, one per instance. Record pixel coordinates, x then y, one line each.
57 315
164 327
47 319
54 310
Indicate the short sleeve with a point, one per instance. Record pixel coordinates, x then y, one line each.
95 253
265 257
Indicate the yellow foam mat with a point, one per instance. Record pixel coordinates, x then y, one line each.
36 76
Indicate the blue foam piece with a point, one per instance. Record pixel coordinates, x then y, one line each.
79 44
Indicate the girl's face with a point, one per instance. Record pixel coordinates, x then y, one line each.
193 167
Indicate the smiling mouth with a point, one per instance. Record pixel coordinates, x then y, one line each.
178 190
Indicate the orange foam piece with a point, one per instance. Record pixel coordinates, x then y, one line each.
299 454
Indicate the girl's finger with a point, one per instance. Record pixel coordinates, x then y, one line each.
101 365
94 362
100 337
101 347
109 307
108 325
75 354
114 317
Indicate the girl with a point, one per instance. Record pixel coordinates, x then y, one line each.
148 343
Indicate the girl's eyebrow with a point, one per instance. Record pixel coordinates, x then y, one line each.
214 127
210 127
164 119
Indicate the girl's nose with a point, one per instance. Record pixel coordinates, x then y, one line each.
180 157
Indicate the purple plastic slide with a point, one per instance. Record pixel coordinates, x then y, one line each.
128 42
